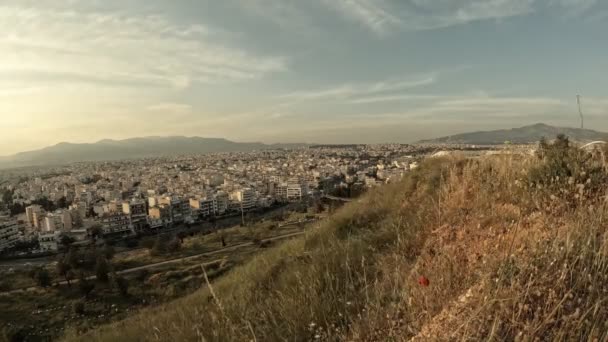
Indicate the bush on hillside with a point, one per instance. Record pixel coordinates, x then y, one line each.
567 173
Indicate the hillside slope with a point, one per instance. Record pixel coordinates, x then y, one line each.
503 248
521 135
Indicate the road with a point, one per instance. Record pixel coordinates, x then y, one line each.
168 262
338 198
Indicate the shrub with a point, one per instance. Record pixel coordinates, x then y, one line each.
41 276
567 173
147 242
108 252
78 307
85 286
160 247
174 245
101 269
122 284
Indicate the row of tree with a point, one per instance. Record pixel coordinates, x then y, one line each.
84 265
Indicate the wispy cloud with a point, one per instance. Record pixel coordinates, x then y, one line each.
348 91
382 17
118 48
373 14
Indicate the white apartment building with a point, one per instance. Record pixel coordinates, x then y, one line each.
296 189
205 207
29 212
246 198
221 201
49 241
116 224
52 222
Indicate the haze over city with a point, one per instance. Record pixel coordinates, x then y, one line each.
324 71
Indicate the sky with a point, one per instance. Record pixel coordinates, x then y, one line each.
318 71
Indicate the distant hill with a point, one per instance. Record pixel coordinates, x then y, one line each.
106 149
522 135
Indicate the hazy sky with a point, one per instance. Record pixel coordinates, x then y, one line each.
296 70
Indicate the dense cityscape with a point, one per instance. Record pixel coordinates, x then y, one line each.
136 197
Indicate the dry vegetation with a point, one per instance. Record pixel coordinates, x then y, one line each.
514 248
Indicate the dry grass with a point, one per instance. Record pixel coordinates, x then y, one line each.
508 258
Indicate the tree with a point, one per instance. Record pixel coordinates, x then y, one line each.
73 258
174 245
62 203
66 241
108 252
102 269
181 236
147 242
160 246
78 307
122 284
96 232
64 269
42 277
85 286
7 197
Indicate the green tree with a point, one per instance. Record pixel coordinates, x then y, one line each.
108 251
174 245
78 307
73 258
66 241
160 246
85 286
147 242
122 284
7 197
42 277
182 236
102 269
62 203
96 232
65 270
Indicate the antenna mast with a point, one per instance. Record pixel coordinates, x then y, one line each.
580 111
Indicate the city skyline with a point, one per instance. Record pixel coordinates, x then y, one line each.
358 71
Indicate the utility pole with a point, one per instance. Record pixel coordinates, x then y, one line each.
580 110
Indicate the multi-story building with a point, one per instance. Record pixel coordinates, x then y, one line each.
52 222
180 210
9 234
38 218
29 213
66 220
203 207
116 224
245 198
49 241
280 192
136 211
160 216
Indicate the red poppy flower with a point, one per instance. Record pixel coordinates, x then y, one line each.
424 281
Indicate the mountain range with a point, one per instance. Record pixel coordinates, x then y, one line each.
521 135
64 153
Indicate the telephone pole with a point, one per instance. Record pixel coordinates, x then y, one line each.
580 111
